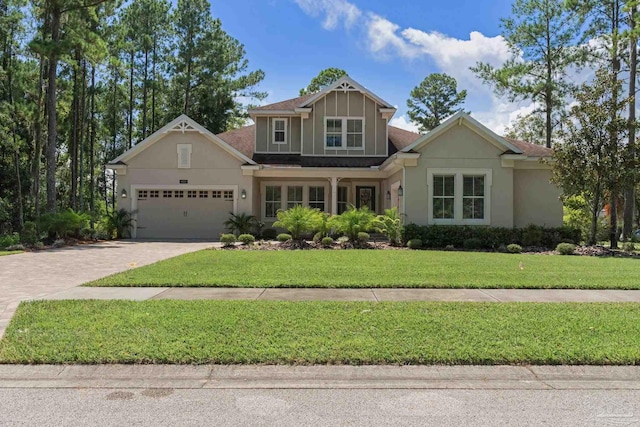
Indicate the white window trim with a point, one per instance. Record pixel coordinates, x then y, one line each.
284 195
273 130
344 132
458 174
188 160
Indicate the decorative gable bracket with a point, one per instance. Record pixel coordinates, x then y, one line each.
183 127
345 87
304 112
387 113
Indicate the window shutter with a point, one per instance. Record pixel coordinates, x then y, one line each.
184 156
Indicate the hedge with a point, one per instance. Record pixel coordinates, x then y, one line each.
440 236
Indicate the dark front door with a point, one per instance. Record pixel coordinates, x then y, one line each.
366 196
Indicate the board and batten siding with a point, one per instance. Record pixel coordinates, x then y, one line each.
345 104
264 135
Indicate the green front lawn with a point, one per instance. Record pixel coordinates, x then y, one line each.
2 253
382 268
321 333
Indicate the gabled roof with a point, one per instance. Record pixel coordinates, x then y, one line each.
460 118
182 124
347 83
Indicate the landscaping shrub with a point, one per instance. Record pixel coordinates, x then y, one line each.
246 239
283 237
240 223
514 248
299 220
18 247
532 235
318 237
390 224
566 248
227 239
472 244
29 235
9 240
342 239
414 244
63 224
440 236
628 247
269 234
363 237
327 242
353 221
119 223
87 234
59 243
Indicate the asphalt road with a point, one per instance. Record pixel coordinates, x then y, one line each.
315 407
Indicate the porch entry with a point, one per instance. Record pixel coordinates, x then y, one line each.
366 196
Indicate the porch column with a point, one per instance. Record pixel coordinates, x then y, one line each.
334 195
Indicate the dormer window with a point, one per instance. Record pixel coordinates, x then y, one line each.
279 131
341 129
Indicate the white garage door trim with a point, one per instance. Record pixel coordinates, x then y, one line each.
135 188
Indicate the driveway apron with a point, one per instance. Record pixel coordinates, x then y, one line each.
36 274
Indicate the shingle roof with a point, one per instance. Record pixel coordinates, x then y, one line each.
533 150
241 139
288 104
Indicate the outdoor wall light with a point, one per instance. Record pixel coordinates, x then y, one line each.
400 191
243 194
388 195
123 194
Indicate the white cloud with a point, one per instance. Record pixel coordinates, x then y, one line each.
502 113
334 11
403 122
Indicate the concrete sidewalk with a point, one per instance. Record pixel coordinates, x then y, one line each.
321 377
375 295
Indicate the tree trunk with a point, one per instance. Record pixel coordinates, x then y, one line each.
153 86
37 152
548 89
52 136
131 98
82 135
14 113
629 192
73 149
615 68
144 94
92 143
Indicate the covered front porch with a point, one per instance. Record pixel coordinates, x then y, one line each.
331 191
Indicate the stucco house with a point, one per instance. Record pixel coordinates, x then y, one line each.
328 150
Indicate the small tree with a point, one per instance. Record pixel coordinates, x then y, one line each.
391 225
119 222
299 220
433 100
353 221
240 223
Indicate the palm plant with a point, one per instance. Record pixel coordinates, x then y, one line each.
299 220
391 225
119 222
354 221
240 223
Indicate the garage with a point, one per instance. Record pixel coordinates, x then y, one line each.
170 213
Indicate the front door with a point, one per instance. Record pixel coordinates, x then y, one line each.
366 196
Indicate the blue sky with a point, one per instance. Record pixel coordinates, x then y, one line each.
388 46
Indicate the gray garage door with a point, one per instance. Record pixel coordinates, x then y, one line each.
185 214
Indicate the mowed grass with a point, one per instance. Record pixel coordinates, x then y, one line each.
271 332
3 253
382 268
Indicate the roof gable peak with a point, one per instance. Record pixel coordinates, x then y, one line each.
346 84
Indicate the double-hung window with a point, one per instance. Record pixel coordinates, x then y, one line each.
334 133
443 196
473 197
279 131
294 196
273 199
459 196
316 198
344 132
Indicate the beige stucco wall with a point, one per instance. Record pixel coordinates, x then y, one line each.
536 200
459 148
390 184
264 135
341 104
210 165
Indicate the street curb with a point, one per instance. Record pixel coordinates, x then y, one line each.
321 377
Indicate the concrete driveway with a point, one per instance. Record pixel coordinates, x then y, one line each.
37 274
